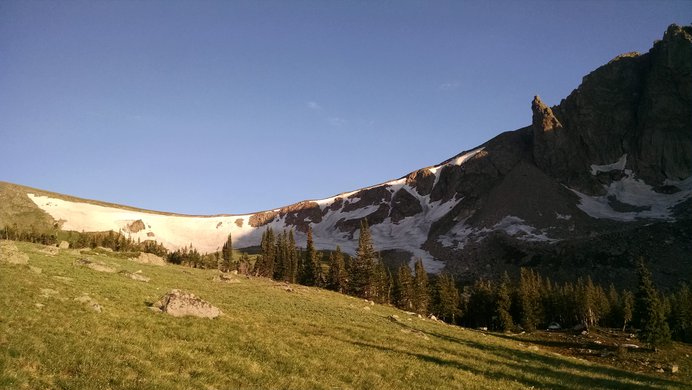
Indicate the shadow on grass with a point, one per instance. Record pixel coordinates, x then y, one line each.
519 365
573 345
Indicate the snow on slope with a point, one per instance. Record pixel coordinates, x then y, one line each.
631 192
462 234
619 165
207 234
173 231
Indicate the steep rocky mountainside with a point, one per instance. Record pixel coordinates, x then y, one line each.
591 185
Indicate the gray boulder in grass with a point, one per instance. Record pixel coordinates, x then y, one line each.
180 303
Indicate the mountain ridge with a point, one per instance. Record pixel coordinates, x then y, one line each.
613 159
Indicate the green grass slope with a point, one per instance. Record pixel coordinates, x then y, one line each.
17 209
268 337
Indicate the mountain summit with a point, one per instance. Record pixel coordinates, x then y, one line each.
594 183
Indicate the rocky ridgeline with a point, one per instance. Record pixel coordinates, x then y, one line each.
639 105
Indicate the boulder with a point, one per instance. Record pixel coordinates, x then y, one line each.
10 254
89 302
135 276
180 303
64 245
49 250
148 258
226 278
96 266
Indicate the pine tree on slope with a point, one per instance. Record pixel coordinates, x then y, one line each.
227 254
363 265
649 309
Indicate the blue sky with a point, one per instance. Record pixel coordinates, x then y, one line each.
206 107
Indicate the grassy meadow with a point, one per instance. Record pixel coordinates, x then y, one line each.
271 336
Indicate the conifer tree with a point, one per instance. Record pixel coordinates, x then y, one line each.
337 277
281 266
421 292
614 303
681 314
529 299
227 254
244 264
446 298
312 270
403 288
265 263
587 301
626 308
503 304
363 265
481 304
649 309
293 260
382 284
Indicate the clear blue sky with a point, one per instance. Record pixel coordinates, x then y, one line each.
237 106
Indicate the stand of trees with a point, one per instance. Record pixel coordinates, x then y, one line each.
115 241
528 303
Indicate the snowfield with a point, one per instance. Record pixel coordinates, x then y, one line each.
208 234
630 191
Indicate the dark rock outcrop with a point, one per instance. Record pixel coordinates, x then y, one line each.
639 105
136 226
421 180
302 214
368 197
404 205
261 219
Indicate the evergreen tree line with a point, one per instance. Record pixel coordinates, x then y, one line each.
115 241
534 301
16 234
531 302
363 276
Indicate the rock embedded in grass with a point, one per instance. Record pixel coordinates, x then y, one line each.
148 258
49 250
180 303
99 267
10 254
226 278
135 276
89 302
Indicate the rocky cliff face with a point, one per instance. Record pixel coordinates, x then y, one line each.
592 184
636 105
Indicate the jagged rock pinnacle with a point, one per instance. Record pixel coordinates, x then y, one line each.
543 117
